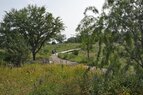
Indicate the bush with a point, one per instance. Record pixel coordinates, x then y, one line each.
15 47
2 57
75 52
16 54
118 84
16 58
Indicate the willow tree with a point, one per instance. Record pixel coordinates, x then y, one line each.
34 24
91 29
85 29
121 26
125 18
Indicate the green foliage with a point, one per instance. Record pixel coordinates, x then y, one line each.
14 45
66 84
120 27
80 58
76 39
33 24
2 57
36 79
119 84
60 38
75 52
125 24
46 51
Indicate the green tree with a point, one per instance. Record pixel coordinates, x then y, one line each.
120 26
75 39
16 51
86 30
35 25
125 20
60 38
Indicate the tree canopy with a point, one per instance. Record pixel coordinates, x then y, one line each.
118 30
33 24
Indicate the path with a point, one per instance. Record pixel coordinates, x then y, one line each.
56 60
69 50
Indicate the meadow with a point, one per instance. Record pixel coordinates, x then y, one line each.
110 56
50 79
57 79
46 51
80 56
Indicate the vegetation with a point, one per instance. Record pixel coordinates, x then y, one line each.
31 27
14 49
37 79
60 38
43 54
78 56
46 51
111 49
117 34
76 39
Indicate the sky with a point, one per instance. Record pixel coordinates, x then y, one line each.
70 11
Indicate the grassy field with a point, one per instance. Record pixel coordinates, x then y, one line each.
37 79
51 79
81 57
47 49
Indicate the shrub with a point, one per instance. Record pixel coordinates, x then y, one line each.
118 84
17 54
75 52
16 58
2 57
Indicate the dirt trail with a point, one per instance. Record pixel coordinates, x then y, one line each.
56 60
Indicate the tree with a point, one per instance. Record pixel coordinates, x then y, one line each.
34 24
60 38
75 39
125 19
86 30
120 27
86 39
14 45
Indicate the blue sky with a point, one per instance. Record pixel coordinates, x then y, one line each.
70 11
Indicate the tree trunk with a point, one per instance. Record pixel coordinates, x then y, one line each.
88 52
99 51
34 56
142 38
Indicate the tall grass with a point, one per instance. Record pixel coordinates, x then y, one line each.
50 79
36 79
